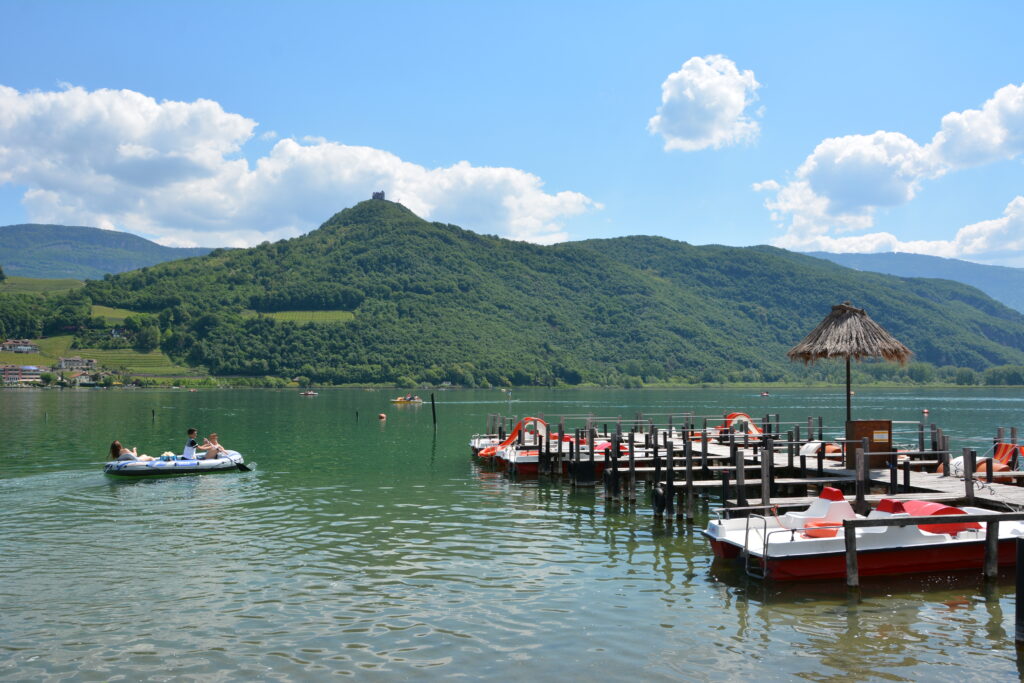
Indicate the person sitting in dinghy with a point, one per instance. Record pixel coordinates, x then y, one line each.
212 448
119 452
189 452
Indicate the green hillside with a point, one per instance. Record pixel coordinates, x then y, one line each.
64 251
433 302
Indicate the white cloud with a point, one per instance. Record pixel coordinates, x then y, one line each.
993 133
173 171
991 240
844 181
703 105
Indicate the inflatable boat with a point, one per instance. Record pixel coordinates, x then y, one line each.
229 461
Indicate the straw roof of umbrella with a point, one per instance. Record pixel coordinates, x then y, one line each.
848 332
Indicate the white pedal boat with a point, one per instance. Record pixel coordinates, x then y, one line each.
810 544
230 460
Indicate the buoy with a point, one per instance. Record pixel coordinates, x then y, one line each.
382 416
925 411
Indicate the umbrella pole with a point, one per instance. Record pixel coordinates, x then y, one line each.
848 402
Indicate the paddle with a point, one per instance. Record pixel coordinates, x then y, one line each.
242 467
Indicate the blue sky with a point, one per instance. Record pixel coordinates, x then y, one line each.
867 126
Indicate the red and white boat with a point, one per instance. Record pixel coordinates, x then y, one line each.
523 459
810 544
740 424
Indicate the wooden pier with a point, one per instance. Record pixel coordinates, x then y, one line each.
682 464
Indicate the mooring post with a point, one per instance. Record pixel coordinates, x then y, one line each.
852 572
1019 610
810 429
935 437
893 474
821 459
821 428
988 470
670 485
992 549
796 436
739 461
969 464
860 506
688 452
574 457
906 476
657 460
616 481
632 469
920 436
766 473
704 471
790 451
433 410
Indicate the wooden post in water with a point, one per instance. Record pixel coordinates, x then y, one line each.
1019 610
632 469
893 474
433 410
969 457
657 460
670 485
739 461
689 479
860 506
852 572
790 450
991 570
704 471
766 473
920 436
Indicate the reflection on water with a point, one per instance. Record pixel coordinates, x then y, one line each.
360 545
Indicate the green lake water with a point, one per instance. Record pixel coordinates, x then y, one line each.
381 551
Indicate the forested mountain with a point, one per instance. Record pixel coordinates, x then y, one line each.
433 302
64 251
999 282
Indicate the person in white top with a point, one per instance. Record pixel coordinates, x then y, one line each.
189 453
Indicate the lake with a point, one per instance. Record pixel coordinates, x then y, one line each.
378 549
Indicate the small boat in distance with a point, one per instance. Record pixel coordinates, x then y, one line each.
408 398
308 393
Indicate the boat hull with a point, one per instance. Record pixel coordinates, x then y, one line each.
890 562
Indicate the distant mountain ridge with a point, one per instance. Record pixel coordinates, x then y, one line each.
1002 283
66 251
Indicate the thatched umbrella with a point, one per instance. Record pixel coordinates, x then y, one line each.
847 332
